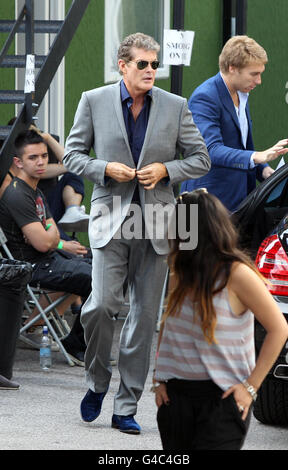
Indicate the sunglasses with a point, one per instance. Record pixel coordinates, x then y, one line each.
142 64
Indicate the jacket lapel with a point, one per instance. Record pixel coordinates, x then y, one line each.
116 99
226 99
150 126
250 144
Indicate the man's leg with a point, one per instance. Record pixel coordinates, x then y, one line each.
64 272
71 218
109 271
64 201
59 198
147 272
61 309
71 197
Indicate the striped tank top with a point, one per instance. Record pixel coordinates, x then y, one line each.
185 354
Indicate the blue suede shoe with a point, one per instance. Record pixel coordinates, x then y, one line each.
91 404
126 424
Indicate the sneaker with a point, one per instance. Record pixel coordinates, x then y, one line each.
6 384
74 220
126 424
31 339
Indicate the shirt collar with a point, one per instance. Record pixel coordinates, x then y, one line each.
125 95
243 97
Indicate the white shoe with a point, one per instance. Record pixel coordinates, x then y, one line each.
74 220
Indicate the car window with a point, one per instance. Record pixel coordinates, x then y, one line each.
279 195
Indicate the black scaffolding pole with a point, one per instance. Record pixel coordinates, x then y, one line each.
177 70
241 16
235 10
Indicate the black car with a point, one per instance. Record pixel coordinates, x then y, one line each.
262 221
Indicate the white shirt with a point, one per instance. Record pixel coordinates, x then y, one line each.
242 118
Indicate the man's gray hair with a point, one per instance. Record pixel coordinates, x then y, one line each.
139 41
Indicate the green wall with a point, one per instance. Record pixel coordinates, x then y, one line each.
267 24
7 111
84 61
205 18
84 70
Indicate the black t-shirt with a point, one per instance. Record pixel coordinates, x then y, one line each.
21 205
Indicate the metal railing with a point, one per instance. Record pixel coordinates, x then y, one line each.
48 66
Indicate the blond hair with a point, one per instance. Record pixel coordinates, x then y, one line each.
240 51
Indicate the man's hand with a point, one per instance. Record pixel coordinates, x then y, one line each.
120 172
267 171
72 246
272 153
150 175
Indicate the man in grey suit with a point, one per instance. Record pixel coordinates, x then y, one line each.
136 131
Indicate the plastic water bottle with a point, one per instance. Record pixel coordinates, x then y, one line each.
45 350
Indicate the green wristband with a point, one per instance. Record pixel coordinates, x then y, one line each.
48 226
60 245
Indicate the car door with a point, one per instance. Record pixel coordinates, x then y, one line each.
262 210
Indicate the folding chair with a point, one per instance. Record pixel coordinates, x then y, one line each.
49 314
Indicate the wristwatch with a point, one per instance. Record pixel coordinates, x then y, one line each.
250 389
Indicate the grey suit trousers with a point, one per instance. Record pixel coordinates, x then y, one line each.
137 261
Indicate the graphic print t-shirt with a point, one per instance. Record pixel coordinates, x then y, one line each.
21 205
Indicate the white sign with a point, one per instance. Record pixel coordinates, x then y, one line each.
177 47
30 74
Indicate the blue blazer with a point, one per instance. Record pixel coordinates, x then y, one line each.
229 178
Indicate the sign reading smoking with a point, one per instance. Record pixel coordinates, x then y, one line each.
177 47
30 74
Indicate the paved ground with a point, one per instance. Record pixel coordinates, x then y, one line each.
44 413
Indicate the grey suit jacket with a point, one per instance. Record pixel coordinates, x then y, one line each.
99 124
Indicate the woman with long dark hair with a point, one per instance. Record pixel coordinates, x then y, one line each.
206 377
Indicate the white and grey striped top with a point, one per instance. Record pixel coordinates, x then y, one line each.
185 354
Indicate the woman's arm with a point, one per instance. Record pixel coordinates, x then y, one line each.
254 295
160 390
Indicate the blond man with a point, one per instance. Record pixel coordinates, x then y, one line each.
220 110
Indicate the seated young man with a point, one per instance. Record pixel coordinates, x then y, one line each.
64 195
33 235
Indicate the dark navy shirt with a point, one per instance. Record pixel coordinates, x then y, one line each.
136 130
